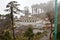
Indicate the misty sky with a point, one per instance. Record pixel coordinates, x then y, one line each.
23 3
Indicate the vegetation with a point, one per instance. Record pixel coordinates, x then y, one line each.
7 25
51 20
5 36
12 6
29 33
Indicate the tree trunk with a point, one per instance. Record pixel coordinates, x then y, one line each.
51 32
12 22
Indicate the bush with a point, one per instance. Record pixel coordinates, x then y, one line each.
38 33
5 36
29 33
